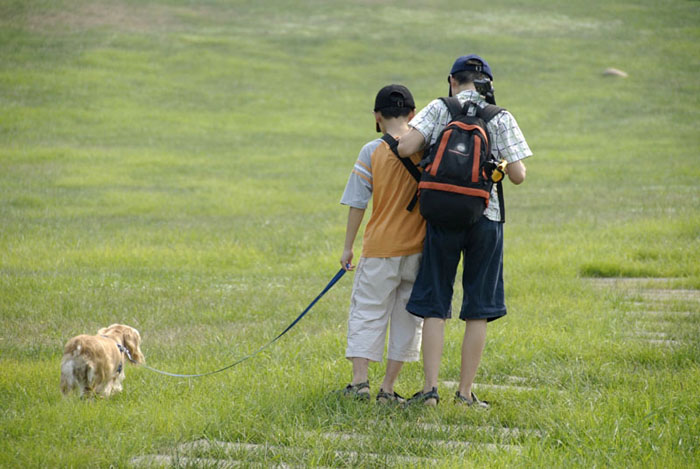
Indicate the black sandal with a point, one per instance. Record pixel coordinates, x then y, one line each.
353 390
423 397
474 401
384 397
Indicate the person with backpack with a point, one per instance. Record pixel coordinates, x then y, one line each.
472 144
391 249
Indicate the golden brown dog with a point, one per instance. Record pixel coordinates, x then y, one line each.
94 364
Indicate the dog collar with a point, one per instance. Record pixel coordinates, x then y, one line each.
122 349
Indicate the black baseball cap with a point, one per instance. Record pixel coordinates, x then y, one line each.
394 96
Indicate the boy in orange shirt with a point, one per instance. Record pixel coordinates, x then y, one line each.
391 251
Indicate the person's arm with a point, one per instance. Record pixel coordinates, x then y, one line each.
516 172
510 144
355 216
410 143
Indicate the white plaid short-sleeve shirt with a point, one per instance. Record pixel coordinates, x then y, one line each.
508 140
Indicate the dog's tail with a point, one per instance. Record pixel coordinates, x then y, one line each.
76 372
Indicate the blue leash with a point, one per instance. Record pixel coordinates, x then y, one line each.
333 281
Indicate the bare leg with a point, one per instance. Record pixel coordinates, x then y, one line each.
359 386
360 370
393 368
433 340
472 348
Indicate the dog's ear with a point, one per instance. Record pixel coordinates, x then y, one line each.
132 341
112 328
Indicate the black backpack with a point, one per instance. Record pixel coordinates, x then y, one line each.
456 183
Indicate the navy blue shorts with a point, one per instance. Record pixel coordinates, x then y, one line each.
482 278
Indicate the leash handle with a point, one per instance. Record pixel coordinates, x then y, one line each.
332 282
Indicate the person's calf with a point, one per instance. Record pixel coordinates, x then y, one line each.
360 370
393 367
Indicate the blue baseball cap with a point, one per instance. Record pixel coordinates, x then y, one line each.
461 65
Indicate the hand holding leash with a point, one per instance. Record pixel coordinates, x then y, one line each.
346 260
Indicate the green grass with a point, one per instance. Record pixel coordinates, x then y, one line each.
177 166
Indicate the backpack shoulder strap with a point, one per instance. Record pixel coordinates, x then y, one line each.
393 143
501 201
408 164
489 112
454 107
410 167
486 114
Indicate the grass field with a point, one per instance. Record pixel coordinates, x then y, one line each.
177 165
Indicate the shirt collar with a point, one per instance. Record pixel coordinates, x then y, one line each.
470 95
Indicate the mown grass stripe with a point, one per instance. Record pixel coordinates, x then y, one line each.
642 334
347 456
465 445
500 387
500 432
161 461
657 294
655 314
666 342
627 282
655 324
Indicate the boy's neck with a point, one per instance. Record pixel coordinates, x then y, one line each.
396 128
467 86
